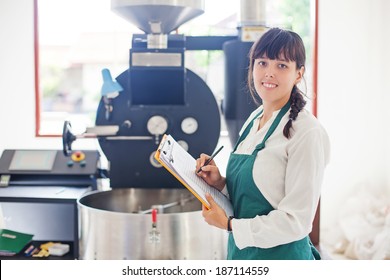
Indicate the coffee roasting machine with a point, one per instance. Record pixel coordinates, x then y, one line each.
147 213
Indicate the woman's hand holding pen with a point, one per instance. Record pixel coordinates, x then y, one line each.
210 172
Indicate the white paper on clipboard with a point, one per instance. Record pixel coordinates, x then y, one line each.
182 165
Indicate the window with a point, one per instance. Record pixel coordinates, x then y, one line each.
76 39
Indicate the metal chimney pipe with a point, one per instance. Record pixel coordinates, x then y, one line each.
252 13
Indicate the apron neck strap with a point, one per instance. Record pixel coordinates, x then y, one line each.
246 131
274 125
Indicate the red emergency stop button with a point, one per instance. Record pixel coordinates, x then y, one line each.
78 156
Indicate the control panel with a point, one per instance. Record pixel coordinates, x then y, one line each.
48 167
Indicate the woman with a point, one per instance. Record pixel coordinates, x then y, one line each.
275 171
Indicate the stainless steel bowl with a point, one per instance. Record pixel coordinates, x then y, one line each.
117 224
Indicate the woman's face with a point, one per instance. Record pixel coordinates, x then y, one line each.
274 79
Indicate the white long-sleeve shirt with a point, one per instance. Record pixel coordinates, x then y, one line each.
289 174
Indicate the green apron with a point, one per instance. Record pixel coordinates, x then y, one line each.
248 202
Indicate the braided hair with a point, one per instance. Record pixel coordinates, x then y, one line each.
297 104
274 44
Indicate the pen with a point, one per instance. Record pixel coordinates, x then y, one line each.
210 159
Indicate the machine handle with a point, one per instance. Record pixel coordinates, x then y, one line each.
67 138
154 216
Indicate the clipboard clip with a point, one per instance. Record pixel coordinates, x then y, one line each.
170 157
166 147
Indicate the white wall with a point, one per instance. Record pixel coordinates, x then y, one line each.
353 92
354 95
16 73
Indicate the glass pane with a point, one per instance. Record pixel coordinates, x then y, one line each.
77 39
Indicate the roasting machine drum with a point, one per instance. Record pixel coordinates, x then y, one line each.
119 224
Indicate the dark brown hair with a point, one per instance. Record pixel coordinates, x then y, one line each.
277 43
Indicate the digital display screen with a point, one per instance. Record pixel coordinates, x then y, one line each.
33 160
157 87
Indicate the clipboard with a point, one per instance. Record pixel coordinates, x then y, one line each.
182 165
